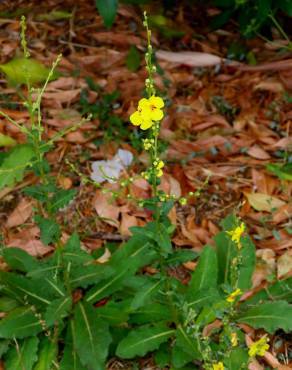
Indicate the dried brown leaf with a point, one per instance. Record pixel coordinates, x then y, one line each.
189 58
106 208
127 222
258 153
20 214
264 202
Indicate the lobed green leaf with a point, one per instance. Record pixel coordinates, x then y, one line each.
270 316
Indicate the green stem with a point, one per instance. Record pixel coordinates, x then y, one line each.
281 30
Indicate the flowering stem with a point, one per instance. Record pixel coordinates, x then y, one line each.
150 89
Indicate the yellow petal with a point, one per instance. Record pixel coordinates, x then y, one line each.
136 118
159 173
143 103
156 114
156 101
146 114
146 124
160 165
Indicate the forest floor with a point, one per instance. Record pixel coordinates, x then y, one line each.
226 124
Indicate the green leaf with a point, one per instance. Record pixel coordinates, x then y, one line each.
202 298
207 315
286 6
237 359
38 292
108 286
179 358
18 259
247 263
92 337
221 19
82 276
187 343
133 59
108 10
158 235
180 256
50 230
73 253
47 354
145 294
230 222
138 251
57 310
162 356
135 259
6 140
143 340
4 346
281 290
14 165
19 71
151 313
70 359
20 323
23 287
61 199
163 240
40 192
24 356
7 304
205 274
269 316
113 313
284 172
226 251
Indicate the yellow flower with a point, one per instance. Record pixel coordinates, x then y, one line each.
237 233
233 295
151 108
259 347
139 120
234 339
158 167
218 366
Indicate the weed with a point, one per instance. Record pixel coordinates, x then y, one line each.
69 311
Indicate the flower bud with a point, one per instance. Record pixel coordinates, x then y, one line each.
183 201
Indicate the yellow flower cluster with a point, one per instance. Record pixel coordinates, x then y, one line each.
236 234
259 347
149 111
233 295
158 165
218 366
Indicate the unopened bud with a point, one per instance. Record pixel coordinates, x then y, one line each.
183 201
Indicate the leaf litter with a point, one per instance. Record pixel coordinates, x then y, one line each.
229 140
